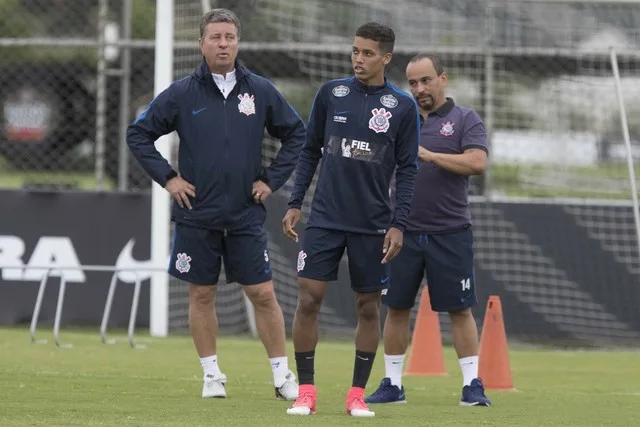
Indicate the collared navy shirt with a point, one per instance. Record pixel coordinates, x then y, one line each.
441 202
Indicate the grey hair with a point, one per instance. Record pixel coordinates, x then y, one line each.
218 15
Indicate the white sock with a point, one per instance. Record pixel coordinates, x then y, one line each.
393 368
469 366
210 365
280 368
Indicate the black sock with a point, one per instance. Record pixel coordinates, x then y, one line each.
304 363
362 368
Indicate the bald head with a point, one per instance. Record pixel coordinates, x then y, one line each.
427 81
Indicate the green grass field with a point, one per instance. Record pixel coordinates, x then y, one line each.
93 384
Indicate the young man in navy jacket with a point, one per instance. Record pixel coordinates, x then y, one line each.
220 113
363 128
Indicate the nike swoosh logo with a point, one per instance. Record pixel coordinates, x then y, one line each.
462 300
195 112
384 280
126 260
341 112
363 358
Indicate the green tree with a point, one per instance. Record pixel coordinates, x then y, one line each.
143 25
12 21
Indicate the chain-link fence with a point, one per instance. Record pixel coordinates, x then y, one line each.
540 75
74 73
68 85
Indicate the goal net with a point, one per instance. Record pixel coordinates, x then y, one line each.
554 231
233 309
230 306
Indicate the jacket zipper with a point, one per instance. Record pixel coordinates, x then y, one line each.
364 108
226 146
226 149
226 156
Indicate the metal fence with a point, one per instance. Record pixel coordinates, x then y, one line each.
74 73
68 88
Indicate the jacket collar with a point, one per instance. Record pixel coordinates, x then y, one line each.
202 73
369 89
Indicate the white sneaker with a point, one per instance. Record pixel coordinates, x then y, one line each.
306 402
288 390
356 406
214 386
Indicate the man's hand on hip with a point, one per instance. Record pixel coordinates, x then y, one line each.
260 191
392 244
181 190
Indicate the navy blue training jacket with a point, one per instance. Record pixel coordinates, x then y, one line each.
362 133
220 145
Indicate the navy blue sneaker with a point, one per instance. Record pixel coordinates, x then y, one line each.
473 394
387 393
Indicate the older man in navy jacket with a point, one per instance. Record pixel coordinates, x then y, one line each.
220 113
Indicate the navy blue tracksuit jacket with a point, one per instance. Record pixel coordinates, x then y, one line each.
220 145
362 133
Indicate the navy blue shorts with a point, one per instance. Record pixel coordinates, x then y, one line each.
447 262
322 250
197 255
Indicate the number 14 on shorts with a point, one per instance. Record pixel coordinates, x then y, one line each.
466 284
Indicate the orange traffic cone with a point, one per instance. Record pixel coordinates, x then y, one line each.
425 356
494 367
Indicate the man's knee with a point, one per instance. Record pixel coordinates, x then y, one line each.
368 306
398 315
310 296
262 295
460 316
201 296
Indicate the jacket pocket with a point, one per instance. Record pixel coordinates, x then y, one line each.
209 185
248 190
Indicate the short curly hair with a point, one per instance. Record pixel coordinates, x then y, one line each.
378 33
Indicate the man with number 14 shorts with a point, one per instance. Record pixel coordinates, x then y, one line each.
438 240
